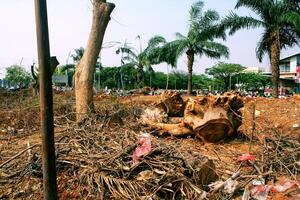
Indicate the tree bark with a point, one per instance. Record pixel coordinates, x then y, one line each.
274 59
139 74
190 56
86 66
167 85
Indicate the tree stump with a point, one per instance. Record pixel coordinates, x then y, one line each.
211 118
214 118
172 104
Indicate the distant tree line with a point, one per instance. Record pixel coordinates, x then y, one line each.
221 77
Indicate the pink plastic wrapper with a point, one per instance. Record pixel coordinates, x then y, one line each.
246 157
283 188
260 192
143 148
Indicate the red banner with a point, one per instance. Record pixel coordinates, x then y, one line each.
297 78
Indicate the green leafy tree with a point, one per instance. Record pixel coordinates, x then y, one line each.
202 81
279 20
118 77
224 72
17 76
253 81
203 30
159 80
149 76
140 59
180 79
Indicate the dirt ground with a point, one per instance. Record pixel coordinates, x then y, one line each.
92 154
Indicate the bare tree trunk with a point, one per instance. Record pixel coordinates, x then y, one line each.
274 59
86 66
190 55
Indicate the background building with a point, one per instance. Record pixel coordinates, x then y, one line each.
289 73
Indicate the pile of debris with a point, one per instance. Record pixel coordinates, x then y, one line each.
98 162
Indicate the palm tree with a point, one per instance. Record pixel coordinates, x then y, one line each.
77 55
203 29
279 21
139 59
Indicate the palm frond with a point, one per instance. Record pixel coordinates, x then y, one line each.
153 43
118 188
196 10
213 49
258 6
179 36
171 51
67 67
156 40
130 64
289 37
292 18
211 33
263 46
292 4
209 17
127 58
235 22
78 54
127 50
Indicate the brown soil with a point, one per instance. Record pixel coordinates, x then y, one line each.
277 123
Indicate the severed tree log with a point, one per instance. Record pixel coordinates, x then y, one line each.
214 118
172 104
211 118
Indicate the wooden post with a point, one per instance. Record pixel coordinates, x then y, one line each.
46 101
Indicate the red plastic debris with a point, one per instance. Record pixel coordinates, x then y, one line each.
246 157
283 188
143 148
260 192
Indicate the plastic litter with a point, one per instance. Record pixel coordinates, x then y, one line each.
258 182
283 188
246 157
215 185
231 186
260 192
246 194
143 148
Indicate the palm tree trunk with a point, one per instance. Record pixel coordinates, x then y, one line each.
167 85
139 74
86 66
190 56
274 59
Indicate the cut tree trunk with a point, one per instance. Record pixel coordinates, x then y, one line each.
172 104
274 59
86 67
190 56
211 118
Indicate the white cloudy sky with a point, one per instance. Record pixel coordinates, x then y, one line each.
70 20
